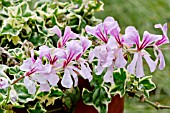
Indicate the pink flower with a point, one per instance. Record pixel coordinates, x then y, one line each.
102 30
68 34
163 40
3 83
37 71
73 49
131 37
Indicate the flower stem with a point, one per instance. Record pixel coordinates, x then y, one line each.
153 104
7 98
17 80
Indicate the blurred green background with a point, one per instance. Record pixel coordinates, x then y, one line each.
144 14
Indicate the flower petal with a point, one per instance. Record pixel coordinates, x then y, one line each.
44 87
39 78
30 85
75 77
3 83
151 63
27 65
108 77
56 30
52 78
67 80
131 36
120 60
109 24
148 39
139 67
132 65
162 61
85 72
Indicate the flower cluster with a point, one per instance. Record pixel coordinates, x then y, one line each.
111 51
65 58
114 47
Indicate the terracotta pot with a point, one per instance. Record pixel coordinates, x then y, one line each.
116 105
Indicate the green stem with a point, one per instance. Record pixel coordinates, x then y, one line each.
7 98
54 110
153 104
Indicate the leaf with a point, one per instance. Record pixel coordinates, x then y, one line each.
51 96
70 97
99 98
37 109
2 69
119 87
23 95
15 39
146 85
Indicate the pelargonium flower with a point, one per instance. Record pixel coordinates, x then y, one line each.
52 54
109 54
73 49
85 69
102 30
105 59
163 40
131 37
37 71
3 83
68 34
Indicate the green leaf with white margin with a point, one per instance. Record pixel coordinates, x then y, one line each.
99 98
51 96
146 85
16 72
119 86
2 69
23 95
11 26
17 53
38 108
70 98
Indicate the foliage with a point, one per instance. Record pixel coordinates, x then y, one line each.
41 69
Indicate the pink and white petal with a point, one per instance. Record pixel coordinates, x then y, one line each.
108 77
85 43
75 77
139 67
56 30
162 60
151 63
44 50
52 79
149 38
109 59
85 72
99 68
164 28
44 87
30 85
120 60
91 30
32 55
112 44
91 56
3 83
131 36
67 80
132 65
27 65
109 23
39 78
